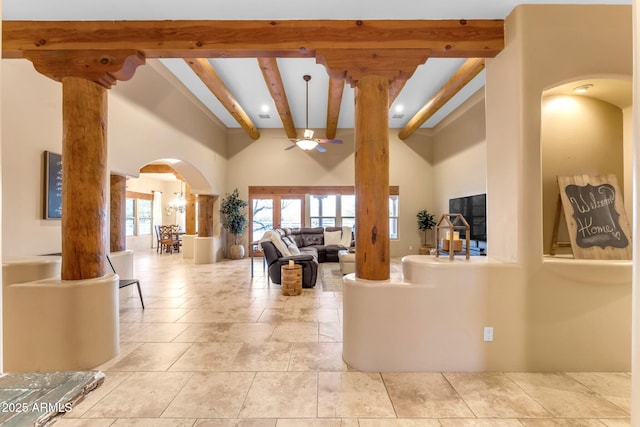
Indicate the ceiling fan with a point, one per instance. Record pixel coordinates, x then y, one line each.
308 142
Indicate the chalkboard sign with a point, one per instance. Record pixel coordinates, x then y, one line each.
52 185
595 216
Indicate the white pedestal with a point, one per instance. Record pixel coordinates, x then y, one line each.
187 246
203 250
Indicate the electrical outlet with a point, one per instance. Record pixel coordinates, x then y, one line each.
410 247
488 333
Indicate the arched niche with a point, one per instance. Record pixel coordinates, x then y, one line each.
584 132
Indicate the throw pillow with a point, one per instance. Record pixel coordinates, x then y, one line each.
291 245
274 237
346 236
332 237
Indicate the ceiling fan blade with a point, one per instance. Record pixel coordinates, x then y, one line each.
329 141
321 149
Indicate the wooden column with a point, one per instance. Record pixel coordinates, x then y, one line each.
84 179
372 178
190 211
117 214
205 216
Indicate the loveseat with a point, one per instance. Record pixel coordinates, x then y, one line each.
305 246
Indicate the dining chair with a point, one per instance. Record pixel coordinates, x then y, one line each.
166 242
123 283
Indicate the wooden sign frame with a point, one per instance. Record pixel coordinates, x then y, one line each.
52 185
597 223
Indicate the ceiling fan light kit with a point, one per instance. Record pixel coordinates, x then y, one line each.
307 142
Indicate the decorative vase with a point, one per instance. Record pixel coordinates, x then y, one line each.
236 252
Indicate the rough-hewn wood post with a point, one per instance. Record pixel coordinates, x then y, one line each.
190 211
84 179
372 178
205 216
117 214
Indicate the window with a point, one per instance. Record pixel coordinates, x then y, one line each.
138 214
330 206
144 217
348 210
393 216
322 210
130 214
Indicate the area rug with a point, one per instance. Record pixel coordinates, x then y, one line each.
331 277
35 399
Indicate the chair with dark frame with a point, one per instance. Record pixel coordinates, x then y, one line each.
123 283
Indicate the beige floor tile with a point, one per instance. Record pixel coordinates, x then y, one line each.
151 357
221 315
474 422
613 386
327 315
207 357
111 381
271 356
563 396
128 329
494 395
330 332
227 332
368 422
152 315
211 395
295 332
71 422
353 394
153 422
236 423
157 332
134 302
309 423
617 423
564 422
141 395
125 349
282 395
317 357
424 394
276 315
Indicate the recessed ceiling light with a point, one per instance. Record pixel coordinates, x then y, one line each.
399 108
582 89
264 108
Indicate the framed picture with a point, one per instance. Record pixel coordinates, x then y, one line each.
52 185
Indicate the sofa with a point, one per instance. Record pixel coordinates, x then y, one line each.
305 246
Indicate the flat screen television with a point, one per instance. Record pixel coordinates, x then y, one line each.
474 210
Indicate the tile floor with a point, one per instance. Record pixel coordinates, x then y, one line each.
217 348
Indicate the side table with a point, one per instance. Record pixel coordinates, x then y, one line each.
291 278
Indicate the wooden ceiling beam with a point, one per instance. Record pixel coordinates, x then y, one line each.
205 71
465 73
271 74
261 38
336 88
161 168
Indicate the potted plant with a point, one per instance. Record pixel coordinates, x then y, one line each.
426 221
234 221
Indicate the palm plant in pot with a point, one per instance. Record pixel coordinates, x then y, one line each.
426 222
234 221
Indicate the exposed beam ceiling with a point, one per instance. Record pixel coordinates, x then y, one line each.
358 46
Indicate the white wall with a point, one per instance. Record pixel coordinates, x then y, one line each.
460 154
